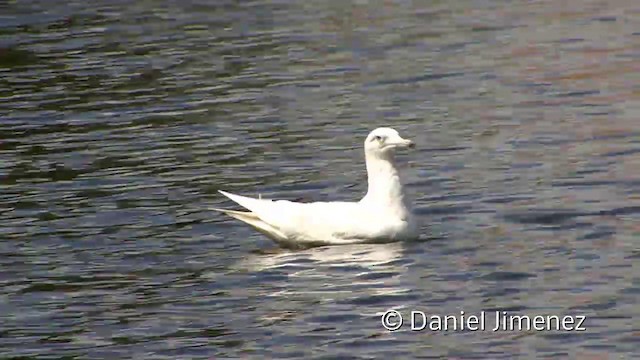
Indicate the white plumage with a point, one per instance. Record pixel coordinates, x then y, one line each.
383 215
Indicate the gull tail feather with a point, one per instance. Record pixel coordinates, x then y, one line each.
254 205
255 222
251 218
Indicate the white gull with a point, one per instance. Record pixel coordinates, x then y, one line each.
383 215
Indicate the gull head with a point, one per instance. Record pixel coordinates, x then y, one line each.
382 142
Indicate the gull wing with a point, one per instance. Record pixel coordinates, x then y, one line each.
325 222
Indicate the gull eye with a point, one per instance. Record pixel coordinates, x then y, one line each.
377 138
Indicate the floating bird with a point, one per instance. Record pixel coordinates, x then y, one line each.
382 215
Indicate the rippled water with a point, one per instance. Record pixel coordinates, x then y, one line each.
121 120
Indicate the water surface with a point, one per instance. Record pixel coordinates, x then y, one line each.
121 120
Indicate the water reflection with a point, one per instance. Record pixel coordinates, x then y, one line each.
369 257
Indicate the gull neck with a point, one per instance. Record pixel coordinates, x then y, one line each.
384 185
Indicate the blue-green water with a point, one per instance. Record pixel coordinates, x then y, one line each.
119 121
